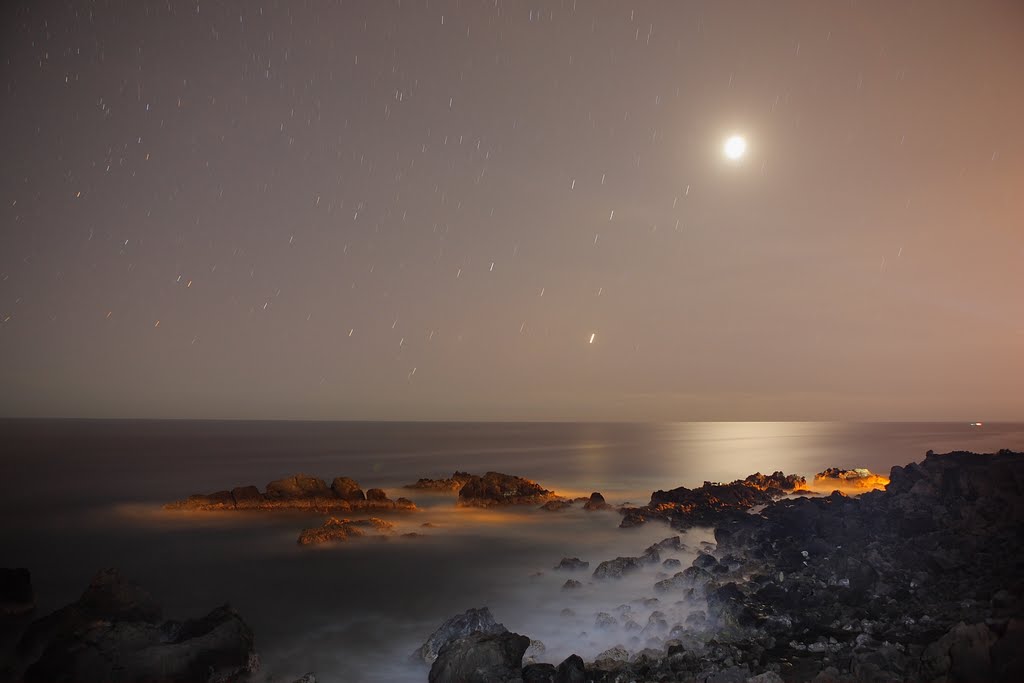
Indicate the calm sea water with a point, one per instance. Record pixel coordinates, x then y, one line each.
81 495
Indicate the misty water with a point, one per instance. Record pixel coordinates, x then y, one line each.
82 495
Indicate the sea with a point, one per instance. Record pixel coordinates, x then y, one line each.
80 495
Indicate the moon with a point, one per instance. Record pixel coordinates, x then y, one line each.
735 147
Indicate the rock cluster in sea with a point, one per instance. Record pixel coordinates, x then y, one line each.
923 581
495 488
115 632
299 491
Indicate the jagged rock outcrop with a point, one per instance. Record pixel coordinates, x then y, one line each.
334 529
297 492
596 502
684 508
571 564
481 658
114 632
477 620
495 488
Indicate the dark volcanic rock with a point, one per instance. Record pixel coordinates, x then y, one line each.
301 492
471 621
572 670
571 584
539 673
113 633
620 566
684 508
454 483
16 594
495 488
481 658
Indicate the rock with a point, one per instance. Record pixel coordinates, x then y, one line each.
671 563
298 492
612 658
477 620
776 482
704 561
348 489
334 529
298 487
619 567
534 652
858 478
453 483
306 678
113 633
376 495
571 670
480 658
596 502
572 564
571 584
766 677
16 594
556 505
495 488
605 621
962 654
539 673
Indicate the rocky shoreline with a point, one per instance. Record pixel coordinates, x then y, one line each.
920 581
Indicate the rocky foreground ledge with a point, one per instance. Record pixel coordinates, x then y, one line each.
923 581
115 632
298 492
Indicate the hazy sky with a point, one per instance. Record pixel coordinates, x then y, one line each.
425 210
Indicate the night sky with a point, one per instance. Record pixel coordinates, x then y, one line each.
512 210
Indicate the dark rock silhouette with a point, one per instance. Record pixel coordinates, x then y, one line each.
114 632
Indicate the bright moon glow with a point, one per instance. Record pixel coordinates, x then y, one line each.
735 147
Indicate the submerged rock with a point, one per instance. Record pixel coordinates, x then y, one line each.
596 502
334 529
480 658
478 620
572 564
495 488
114 633
556 505
301 492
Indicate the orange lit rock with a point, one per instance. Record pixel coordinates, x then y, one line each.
858 478
298 492
335 529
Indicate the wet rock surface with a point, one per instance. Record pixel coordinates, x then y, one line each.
115 632
297 492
